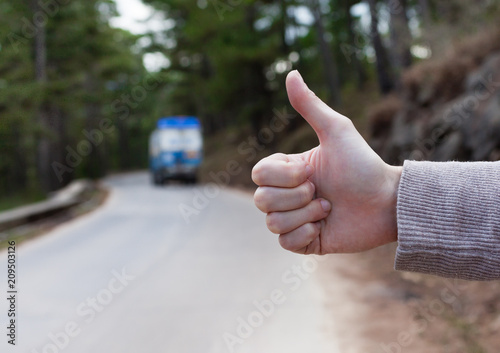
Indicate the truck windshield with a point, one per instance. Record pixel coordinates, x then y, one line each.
170 140
180 139
192 139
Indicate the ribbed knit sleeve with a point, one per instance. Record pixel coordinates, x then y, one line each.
449 219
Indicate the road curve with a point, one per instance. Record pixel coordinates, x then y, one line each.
171 269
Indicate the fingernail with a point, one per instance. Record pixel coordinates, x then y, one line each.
309 170
326 205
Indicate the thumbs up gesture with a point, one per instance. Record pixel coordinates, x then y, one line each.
339 197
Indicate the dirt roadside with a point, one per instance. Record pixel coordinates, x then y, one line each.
385 311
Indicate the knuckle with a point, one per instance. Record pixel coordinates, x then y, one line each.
272 222
257 174
344 123
261 199
297 175
299 238
285 243
310 231
307 192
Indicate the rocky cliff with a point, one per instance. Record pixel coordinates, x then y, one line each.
446 108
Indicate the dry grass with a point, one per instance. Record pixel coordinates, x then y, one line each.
442 79
459 316
435 81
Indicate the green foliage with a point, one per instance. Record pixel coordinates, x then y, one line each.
228 60
90 70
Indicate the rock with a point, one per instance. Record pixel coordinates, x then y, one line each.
464 128
450 149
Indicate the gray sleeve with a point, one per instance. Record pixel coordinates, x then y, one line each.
449 219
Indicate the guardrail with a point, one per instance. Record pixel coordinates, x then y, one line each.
65 198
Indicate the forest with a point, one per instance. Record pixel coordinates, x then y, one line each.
77 101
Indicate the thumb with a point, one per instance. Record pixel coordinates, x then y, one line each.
320 116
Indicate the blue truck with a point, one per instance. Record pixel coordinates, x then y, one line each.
176 149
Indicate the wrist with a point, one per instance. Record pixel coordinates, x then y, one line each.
390 205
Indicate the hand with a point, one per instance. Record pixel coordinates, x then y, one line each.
339 197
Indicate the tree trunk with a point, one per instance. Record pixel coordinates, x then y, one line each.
124 161
425 12
361 76
18 171
283 24
400 36
385 80
258 98
43 118
330 70
94 136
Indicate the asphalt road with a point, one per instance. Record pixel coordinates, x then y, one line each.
173 269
